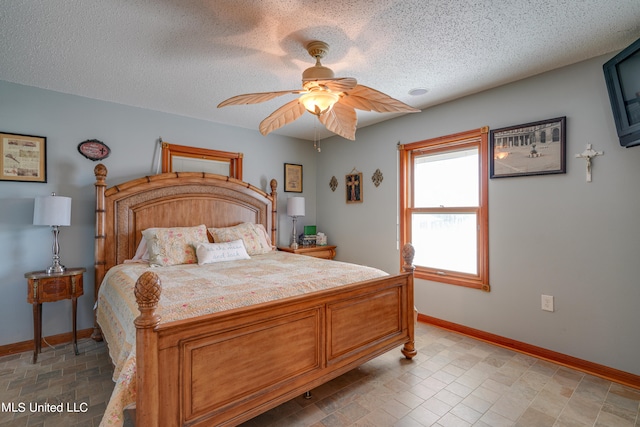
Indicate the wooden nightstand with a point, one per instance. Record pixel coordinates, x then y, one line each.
45 287
326 251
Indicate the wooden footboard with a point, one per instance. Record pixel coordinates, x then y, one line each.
225 368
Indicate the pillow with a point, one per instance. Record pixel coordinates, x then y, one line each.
263 231
142 254
172 246
209 253
254 240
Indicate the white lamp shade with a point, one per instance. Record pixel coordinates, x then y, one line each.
52 210
295 206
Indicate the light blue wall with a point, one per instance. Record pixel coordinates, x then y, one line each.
132 135
553 234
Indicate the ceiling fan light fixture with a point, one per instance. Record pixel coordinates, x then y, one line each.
319 101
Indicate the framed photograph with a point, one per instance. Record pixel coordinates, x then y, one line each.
23 157
292 178
353 182
537 148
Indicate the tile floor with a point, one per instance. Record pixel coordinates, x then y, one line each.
454 381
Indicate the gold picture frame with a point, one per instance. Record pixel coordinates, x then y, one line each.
23 157
353 184
292 178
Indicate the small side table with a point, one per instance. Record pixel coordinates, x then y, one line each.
326 251
43 287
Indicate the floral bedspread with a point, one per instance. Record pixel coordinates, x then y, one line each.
190 290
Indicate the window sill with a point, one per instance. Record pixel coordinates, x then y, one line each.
452 279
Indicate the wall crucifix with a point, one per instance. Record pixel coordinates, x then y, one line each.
589 154
353 184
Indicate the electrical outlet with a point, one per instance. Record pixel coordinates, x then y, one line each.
547 302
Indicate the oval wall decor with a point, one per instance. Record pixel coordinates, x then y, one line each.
94 150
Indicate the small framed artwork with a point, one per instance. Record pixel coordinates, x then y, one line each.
353 182
537 148
292 178
23 157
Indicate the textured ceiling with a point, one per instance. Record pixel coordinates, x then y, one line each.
186 56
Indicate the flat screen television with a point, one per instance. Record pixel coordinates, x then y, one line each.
622 74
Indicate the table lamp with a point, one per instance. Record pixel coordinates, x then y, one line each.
54 211
295 208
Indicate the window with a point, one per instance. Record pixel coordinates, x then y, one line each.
444 207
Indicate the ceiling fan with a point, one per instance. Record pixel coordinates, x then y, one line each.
332 99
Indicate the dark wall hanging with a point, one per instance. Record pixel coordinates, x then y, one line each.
353 183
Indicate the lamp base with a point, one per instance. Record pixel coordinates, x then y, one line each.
294 237
56 268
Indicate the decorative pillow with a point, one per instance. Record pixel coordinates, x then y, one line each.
142 254
209 253
254 240
171 246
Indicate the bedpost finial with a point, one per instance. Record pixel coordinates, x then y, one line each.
274 185
147 292
100 171
408 252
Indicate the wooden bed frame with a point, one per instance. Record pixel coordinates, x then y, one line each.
228 367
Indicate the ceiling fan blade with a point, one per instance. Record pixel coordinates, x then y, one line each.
341 120
341 84
283 115
367 99
255 98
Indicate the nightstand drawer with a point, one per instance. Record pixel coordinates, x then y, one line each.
326 252
54 288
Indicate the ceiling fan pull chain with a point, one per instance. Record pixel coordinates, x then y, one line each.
316 143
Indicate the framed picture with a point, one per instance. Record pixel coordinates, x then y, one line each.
292 178
182 158
23 157
353 183
537 148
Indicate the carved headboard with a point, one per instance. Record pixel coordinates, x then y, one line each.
177 199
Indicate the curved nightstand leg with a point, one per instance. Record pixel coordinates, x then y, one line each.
74 303
37 330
